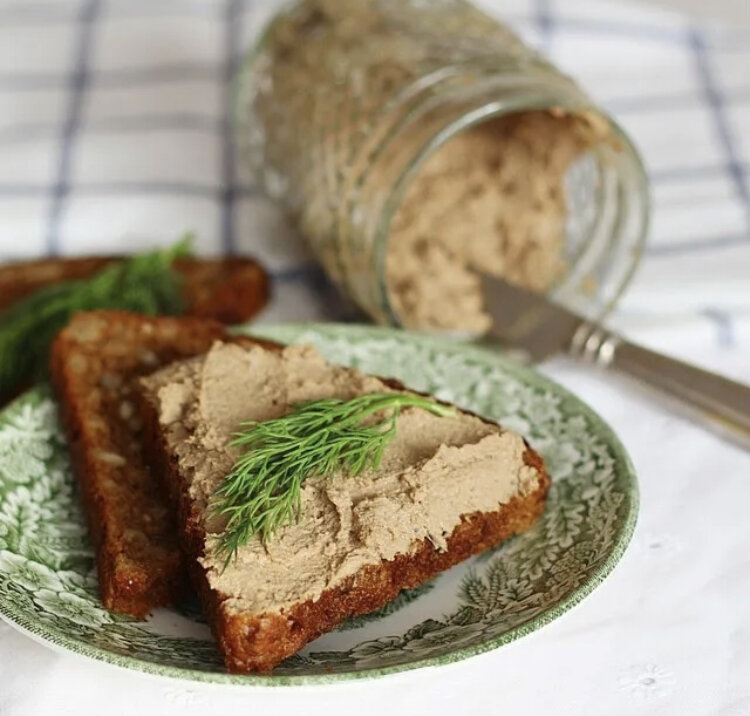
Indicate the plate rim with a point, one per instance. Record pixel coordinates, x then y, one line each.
576 596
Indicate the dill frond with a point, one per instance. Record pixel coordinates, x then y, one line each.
263 490
143 283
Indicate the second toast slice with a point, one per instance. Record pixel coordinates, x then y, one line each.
95 361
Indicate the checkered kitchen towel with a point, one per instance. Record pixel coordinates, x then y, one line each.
114 137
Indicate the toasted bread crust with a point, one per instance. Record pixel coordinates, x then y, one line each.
230 290
94 362
259 642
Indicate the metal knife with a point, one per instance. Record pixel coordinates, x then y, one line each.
529 322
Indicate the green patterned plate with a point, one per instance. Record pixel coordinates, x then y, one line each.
48 586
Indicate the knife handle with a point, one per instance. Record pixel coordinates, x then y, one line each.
716 402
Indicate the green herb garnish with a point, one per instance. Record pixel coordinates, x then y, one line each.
143 283
262 492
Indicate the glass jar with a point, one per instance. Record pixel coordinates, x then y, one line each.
342 101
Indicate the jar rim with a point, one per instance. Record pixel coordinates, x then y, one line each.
631 164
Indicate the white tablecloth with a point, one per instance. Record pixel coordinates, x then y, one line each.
113 137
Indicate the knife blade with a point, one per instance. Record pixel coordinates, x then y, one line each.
533 324
527 321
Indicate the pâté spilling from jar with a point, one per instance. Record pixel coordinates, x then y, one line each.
417 143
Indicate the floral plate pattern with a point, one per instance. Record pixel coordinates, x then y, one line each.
48 581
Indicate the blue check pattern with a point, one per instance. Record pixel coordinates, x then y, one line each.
115 135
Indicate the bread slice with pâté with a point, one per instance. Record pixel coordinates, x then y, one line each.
447 487
95 362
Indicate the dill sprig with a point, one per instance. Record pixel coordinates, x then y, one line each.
263 490
143 283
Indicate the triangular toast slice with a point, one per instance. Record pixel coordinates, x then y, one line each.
95 362
448 488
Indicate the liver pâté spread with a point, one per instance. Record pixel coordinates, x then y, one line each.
491 199
434 470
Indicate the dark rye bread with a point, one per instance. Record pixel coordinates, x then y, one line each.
252 642
230 290
94 363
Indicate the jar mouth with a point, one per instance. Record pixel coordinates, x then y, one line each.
625 201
